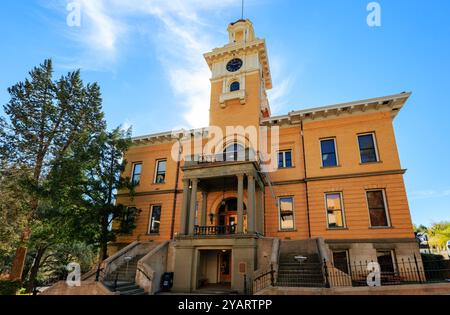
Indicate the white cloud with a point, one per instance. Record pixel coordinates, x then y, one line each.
181 40
185 31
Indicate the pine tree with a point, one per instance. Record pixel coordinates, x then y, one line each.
46 119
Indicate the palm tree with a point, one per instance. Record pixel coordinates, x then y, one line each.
439 234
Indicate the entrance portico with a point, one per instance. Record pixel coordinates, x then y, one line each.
236 177
217 240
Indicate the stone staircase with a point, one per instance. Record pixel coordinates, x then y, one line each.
292 273
125 276
125 288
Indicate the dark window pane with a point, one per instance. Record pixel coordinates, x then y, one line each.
367 148
288 157
235 86
155 219
368 156
280 159
160 172
329 160
340 261
328 153
328 146
284 159
136 176
366 142
377 209
375 199
386 261
378 217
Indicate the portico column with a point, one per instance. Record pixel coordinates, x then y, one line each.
192 208
261 211
251 204
204 196
184 207
240 204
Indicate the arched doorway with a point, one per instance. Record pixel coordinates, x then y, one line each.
227 213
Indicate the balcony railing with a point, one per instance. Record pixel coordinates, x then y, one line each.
214 230
247 155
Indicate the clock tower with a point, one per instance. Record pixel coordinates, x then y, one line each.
240 78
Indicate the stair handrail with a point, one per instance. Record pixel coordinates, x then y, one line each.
147 270
107 263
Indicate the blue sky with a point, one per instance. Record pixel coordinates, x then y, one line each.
147 57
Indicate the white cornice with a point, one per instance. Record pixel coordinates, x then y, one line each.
391 103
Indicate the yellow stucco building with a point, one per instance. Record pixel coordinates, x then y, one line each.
334 194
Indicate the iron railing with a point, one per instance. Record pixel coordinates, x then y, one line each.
327 274
403 271
260 282
247 155
214 230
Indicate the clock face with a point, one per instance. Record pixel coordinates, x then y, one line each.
234 64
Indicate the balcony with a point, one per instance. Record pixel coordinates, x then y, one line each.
214 230
235 95
229 157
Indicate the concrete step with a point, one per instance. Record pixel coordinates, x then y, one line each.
300 284
135 291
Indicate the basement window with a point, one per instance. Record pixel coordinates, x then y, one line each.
341 261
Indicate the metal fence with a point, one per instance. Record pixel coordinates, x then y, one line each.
409 271
352 274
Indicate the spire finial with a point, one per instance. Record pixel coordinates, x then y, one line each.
242 11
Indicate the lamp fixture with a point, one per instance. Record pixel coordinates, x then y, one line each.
211 217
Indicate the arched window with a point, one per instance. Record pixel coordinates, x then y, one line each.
234 152
235 86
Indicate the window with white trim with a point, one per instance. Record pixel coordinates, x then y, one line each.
285 159
136 175
155 219
328 151
376 201
286 213
235 86
335 210
160 176
367 148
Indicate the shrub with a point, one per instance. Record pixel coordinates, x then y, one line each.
8 287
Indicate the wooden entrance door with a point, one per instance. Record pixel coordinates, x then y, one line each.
225 266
